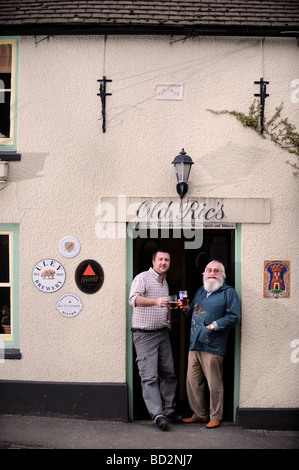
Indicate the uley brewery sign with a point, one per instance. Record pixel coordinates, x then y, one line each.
48 275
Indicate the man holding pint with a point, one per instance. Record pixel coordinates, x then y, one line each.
149 297
215 309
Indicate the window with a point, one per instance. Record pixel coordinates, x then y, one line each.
9 285
5 283
8 54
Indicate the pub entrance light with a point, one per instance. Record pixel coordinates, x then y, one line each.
182 166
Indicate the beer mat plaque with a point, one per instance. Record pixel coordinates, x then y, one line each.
48 275
89 276
69 247
69 305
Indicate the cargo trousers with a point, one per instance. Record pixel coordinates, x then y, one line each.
156 370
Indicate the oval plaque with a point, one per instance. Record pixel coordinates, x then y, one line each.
89 276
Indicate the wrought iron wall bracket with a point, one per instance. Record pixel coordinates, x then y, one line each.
103 95
263 95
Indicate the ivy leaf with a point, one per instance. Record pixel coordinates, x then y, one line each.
278 130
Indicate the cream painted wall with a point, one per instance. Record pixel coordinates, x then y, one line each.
68 164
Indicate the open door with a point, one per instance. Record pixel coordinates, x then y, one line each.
186 268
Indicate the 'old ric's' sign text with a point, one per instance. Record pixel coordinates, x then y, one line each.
190 210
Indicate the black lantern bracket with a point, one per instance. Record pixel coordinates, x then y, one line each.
103 95
263 95
182 166
182 189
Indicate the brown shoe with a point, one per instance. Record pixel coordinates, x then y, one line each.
213 424
194 420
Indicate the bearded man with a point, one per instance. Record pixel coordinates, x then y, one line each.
215 309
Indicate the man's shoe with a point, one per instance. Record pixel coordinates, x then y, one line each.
162 423
213 424
194 420
173 417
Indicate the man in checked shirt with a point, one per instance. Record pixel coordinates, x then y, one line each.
150 322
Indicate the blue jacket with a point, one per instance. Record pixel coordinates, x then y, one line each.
222 306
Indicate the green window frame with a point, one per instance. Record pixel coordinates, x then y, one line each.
10 287
9 48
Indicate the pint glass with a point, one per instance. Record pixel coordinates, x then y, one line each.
183 295
173 301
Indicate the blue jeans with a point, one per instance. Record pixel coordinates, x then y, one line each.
156 370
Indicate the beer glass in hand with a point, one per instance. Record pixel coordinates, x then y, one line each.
183 296
173 301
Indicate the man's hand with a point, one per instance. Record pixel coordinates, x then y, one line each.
162 301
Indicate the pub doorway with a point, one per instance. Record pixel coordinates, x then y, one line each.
186 268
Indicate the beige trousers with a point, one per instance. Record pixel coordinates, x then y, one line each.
203 364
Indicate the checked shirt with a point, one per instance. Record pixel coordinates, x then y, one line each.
147 284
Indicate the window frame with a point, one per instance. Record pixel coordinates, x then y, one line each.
12 340
10 143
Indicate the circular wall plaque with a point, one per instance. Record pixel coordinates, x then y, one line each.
48 275
69 305
89 276
69 247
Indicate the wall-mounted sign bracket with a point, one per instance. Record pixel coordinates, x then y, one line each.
263 95
103 95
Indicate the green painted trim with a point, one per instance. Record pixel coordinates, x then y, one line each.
15 230
237 361
13 147
129 346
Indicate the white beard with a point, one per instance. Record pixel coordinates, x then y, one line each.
212 284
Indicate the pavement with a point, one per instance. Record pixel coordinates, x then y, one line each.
40 432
